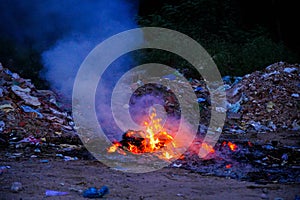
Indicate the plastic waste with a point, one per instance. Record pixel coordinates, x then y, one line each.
237 79
2 125
285 156
6 107
234 107
50 193
68 158
199 100
198 89
1 92
290 69
30 139
270 106
93 192
295 95
227 79
24 94
258 126
29 109
272 125
266 75
295 126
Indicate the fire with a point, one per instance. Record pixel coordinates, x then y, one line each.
167 155
232 146
153 138
208 148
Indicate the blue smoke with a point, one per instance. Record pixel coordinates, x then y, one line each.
91 22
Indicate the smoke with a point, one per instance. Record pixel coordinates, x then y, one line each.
65 31
92 22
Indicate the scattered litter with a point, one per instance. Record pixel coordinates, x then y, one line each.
69 158
51 193
177 165
199 100
93 192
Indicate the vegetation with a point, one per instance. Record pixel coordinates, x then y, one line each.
217 26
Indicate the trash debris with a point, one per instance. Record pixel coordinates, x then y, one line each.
16 187
51 193
271 96
199 100
24 94
23 108
31 139
29 109
69 158
6 107
93 192
290 69
2 125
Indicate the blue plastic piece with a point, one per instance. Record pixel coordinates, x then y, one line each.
198 89
29 109
201 100
93 192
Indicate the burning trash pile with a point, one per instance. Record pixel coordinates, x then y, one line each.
31 116
144 142
265 101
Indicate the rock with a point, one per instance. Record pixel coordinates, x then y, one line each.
16 187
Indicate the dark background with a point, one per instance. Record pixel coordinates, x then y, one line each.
241 36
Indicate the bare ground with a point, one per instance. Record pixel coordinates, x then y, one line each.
167 183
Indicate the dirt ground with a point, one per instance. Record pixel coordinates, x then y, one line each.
167 183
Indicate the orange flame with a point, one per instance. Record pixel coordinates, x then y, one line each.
233 147
208 148
154 138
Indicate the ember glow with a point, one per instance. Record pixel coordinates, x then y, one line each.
228 166
152 139
232 146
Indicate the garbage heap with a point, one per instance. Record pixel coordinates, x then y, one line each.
265 101
28 115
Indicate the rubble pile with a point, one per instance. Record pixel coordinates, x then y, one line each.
28 115
267 100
